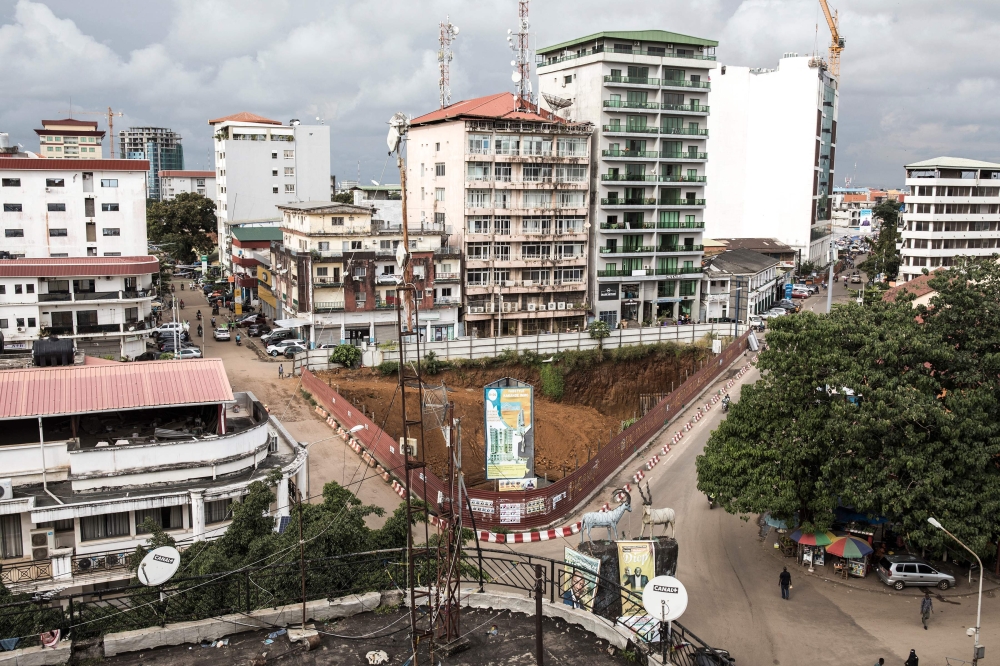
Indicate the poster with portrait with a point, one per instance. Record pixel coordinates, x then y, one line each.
510 433
636 567
579 584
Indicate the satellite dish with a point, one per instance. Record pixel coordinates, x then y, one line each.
509 31
402 256
159 565
393 139
513 64
555 102
665 598
454 29
375 183
515 77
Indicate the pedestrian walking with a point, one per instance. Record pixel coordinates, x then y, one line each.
880 662
926 608
785 582
281 371
912 660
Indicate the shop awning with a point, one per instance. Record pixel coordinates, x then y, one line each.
292 323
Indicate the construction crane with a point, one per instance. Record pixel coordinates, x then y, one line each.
837 42
109 115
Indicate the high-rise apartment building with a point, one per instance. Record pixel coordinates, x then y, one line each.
70 139
261 164
774 126
509 186
160 146
647 94
953 209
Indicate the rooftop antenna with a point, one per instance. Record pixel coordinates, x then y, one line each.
521 63
447 35
556 103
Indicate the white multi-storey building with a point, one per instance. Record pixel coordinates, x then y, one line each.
175 182
510 187
70 139
76 261
774 135
953 209
261 164
647 93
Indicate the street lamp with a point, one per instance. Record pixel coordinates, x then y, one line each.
978 650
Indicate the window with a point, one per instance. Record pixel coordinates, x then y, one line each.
3 289
477 198
478 277
323 245
289 188
439 169
12 208
478 251
109 182
13 233
322 271
111 231
12 182
479 144
274 173
57 207
109 207
355 245
337 221
274 190
439 218
359 271
104 527
289 154
31 322
568 79
289 171
438 194
437 146
30 288
58 232
55 182
168 517
3 323
11 544
218 511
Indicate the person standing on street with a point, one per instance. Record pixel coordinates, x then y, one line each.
880 662
281 371
912 660
926 608
785 582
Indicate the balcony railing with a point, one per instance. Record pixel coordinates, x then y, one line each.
448 300
673 178
680 248
649 271
681 202
631 129
56 330
328 306
48 298
640 249
684 131
630 177
614 201
626 104
328 282
630 153
385 303
680 225
95 295
446 250
83 329
693 108
646 81
543 61
445 277
678 155
629 225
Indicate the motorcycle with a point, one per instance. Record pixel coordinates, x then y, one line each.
711 501
182 304
201 332
725 404
182 286
239 340
199 315
172 289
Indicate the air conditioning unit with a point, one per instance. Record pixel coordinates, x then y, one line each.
477 310
508 283
410 446
531 307
43 542
552 305
561 305
490 307
6 490
508 306
527 283
21 329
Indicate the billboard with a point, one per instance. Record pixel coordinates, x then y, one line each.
865 224
636 567
579 584
510 431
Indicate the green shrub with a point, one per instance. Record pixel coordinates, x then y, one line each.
386 368
552 381
433 365
346 355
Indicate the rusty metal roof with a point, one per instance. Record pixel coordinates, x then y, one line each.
78 266
53 164
83 389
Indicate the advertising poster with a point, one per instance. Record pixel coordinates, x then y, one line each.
536 505
510 434
579 584
508 485
865 225
636 567
511 512
481 505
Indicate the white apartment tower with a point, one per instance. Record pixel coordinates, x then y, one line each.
261 164
509 186
953 209
647 94
774 136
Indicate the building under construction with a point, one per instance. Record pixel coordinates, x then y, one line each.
160 145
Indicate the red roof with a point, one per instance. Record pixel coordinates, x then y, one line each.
53 132
499 106
918 286
24 163
78 266
71 121
187 174
245 117
80 389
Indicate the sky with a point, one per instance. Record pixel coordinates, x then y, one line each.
917 79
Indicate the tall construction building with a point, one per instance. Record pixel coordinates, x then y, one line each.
159 145
646 92
509 186
774 126
70 139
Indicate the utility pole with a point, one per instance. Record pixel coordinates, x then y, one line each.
829 283
302 556
448 33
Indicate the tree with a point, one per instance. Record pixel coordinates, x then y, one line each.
344 197
182 225
884 257
598 331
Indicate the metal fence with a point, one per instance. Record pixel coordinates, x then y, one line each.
532 508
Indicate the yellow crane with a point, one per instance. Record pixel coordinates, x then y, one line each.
109 115
837 42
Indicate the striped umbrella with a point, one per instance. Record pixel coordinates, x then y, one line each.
813 539
849 547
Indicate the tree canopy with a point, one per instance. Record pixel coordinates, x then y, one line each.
884 258
182 225
922 437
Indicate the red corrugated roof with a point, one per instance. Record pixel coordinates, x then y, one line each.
78 266
918 286
81 389
70 121
187 174
75 165
245 117
496 106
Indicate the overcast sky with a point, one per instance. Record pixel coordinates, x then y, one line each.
917 78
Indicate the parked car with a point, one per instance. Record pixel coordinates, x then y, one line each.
775 312
755 320
188 352
900 571
788 304
221 333
292 350
253 318
801 293
810 288
168 328
258 330
328 345
276 335
279 346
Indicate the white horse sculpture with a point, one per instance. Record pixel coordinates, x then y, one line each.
654 517
608 519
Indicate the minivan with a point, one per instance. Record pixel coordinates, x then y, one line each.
902 570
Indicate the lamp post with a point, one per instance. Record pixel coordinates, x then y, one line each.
978 651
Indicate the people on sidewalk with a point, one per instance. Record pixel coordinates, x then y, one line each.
926 608
281 371
912 660
785 582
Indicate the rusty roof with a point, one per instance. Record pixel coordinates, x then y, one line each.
84 389
52 164
245 117
71 121
918 286
187 174
497 107
78 266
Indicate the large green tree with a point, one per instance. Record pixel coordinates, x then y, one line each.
922 440
883 257
182 225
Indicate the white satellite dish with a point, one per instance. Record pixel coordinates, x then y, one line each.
393 139
515 76
555 102
513 64
375 182
454 29
402 256
159 565
665 598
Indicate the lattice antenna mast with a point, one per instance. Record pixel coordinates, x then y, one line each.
521 63
446 36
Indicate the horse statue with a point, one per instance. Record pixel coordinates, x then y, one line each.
654 517
608 519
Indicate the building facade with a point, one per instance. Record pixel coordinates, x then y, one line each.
159 146
386 201
738 283
774 126
335 276
252 248
510 188
177 182
261 164
647 94
952 210
70 139
87 459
